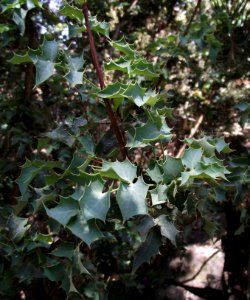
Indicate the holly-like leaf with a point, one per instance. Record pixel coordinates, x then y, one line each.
19 18
222 146
71 12
148 249
64 211
205 143
62 135
74 77
159 194
87 231
191 157
144 68
139 95
75 63
202 171
149 132
131 199
44 70
135 93
122 64
17 227
124 171
99 27
155 171
49 50
122 46
65 250
113 90
172 168
167 228
30 169
94 202
19 59
146 223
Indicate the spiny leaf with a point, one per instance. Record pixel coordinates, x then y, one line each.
87 231
19 59
149 132
17 227
99 27
155 171
62 135
167 228
135 93
74 77
49 50
75 63
113 90
19 18
44 70
222 146
143 67
71 12
205 143
172 168
124 171
159 195
122 46
191 157
146 223
64 211
94 202
122 64
148 249
30 169
139 95
64 250
202 171
131 199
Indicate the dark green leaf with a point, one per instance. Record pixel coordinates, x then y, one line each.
87 231
64 211
172 168
94 203
44 70
124 171
17 227
148 249
167 228
131 199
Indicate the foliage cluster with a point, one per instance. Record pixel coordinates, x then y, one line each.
78 215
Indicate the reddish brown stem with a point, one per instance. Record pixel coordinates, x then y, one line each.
99 73
192 17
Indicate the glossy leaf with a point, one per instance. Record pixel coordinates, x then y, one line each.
71 12
17 227
191 157
148 249
74 77
94 202
64 211
44 70
87 231
124 171
131 199
122 46
172 168
167 228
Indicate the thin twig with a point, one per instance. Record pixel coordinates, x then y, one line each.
192 17
201 267
192 133
112 116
